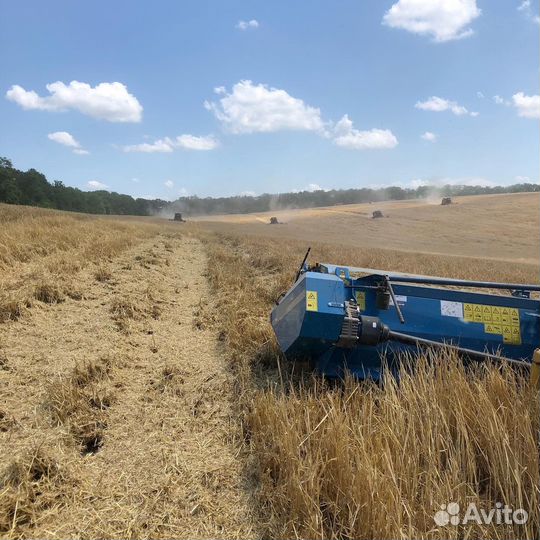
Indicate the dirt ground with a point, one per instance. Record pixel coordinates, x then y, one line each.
503 227
163 457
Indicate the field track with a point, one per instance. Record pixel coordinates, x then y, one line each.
165 461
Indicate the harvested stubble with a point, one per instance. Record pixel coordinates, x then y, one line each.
361 461
41 250
32 485
168 466
80 401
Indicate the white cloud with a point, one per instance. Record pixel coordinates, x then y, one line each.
418 182
248 194
251 108
347 136
522 179
246 25
310 188
527 106
480 95
188 142
460 181
443 20
161 145
135 180
438 104
66 139
107 101
95 184
526 8
191 142
168 184
469 181
500 100
429 136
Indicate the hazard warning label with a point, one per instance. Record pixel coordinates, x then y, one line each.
312 302
503 321
361 300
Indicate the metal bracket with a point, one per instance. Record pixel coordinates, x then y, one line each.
396 305
349 330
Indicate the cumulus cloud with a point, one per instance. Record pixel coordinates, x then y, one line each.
526 8
347 136
187 142
480 95
258 108
443 20
247 25
66 139
192 142
96 184
106 101
161 145
438 104
248 194
251 108
168 184
527 106
429 136
522 179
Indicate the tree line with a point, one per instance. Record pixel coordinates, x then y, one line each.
311 199
32 188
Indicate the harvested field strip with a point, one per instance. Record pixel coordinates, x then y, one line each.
41 253
118 417
358 461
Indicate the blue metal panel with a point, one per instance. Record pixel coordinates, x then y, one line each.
430 312
302 332
423 317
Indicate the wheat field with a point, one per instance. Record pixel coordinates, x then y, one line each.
145 396
366 462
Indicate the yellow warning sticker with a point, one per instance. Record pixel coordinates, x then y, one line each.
497 320
312 301
361 300
491 328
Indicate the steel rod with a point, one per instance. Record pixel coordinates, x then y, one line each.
476 355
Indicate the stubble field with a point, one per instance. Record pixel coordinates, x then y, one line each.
145 397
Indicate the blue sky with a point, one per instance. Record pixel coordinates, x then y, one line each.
221 98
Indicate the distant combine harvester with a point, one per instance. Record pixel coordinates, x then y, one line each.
446 201
178 217
377 214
